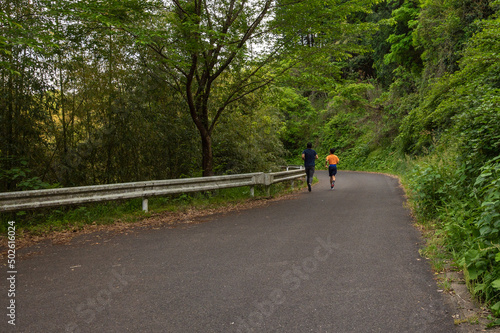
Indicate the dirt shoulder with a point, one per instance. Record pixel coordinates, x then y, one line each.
468 314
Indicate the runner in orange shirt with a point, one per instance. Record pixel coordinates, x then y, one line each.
331 163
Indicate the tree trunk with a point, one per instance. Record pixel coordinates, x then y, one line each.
208 159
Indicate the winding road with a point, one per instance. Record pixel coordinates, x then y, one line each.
326 261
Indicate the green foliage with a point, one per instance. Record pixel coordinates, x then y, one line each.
430 184
382 11
318 74
443 29
402 50
20 29
340 131
19 175
298 119
247 140
487 192
481 259
455 101
214 54
315 23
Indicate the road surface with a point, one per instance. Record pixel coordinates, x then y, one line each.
326 261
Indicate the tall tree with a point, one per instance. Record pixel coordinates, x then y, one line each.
204 41
213 53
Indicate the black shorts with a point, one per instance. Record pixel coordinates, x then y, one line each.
332 170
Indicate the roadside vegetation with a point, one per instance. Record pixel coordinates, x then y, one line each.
92 95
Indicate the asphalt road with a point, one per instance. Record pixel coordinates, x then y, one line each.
327 261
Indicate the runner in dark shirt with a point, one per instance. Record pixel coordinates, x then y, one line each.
309 156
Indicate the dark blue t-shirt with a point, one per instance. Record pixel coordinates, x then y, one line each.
309 157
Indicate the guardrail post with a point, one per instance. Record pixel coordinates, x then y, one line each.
252 191
145 204
268 180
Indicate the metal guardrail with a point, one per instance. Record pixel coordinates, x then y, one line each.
293 167
23 200
277 177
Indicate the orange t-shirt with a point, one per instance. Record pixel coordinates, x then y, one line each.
332 159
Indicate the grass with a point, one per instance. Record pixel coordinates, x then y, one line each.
474 319
445 285
434 249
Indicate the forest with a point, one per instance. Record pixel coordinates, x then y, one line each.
98 92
